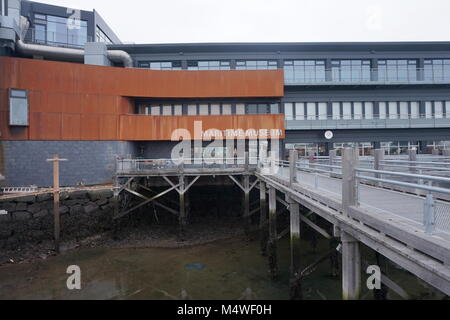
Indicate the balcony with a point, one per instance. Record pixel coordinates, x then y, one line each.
69 39
340 76
400 122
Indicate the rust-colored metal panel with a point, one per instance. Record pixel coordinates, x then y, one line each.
133 82
109 127
90 127
146 128
71 126
45 126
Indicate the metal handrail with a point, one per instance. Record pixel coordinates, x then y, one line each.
407 175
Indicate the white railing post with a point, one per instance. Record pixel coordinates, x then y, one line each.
349 181
429 214
412 155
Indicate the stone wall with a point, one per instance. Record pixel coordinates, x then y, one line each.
29 219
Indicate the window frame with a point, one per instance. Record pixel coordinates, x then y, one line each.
11 96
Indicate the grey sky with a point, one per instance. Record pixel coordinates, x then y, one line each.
171 21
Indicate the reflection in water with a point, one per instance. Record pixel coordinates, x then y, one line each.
227 269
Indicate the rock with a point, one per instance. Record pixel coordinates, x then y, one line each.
63 210
33 208
40 214
91 207
28 199
102 202
78 195
64 195
44 197
99 194
37 234
4 234
76 209
5 217
22 206
21 215
70 203
8 206
107 207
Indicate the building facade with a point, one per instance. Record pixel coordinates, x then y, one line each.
80 93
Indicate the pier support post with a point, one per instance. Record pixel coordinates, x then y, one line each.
412 157
349 183
56 214
246 215
263 230
295 286
182 218
116 222
331 162
435 152
293 157
273 237
351 267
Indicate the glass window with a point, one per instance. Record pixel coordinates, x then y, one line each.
192 110
428 109
167 110
438 110
300 111
368 110
311 110
414 110
323 106
397 70
226 109
336 109
289 111
350 70
274 108
447 109
437 70
304 71
178 110
215 109
357 111
209 65
393 112
155 110
347 110
382 110
240 108
252 109
256 64
404 114
160 65
100 36
18 108
204 110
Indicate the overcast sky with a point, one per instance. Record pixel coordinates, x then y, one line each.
172 21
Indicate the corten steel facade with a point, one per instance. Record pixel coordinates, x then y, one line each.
393 96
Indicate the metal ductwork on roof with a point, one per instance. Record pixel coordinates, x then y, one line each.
77 55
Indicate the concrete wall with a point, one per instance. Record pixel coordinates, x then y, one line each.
24 163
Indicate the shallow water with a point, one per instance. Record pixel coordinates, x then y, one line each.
227 269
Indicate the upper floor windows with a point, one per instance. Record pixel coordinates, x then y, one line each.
160 65
58 31
437 69
304 71
209 65
18 107
350 70
397 70
256 64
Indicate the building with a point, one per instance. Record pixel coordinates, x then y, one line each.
90 98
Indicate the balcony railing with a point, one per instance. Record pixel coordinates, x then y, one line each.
364 122
57 39
377 76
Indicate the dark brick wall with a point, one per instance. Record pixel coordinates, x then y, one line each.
89 162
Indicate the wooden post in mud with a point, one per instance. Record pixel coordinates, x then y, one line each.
273 237
182 218
351 267
295 286
246 185
263 230
56 213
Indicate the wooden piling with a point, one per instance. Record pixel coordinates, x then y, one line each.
246 215
295 287
273 237
351 267
263 230
182 217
